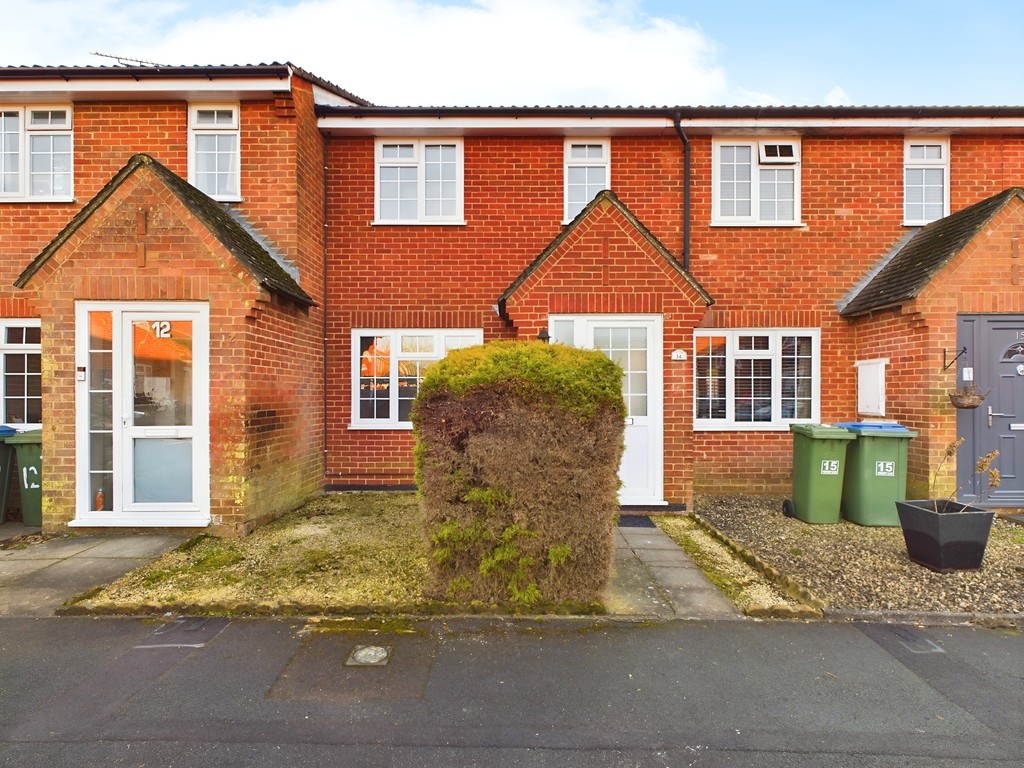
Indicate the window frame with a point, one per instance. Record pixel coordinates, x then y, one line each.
393 421
774 353
418 161
195 130
25 132
604 162
759 160
27 348
909 164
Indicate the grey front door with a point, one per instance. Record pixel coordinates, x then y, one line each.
995 359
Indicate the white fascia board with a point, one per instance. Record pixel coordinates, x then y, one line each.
599 125
330 99
468 125
925 125
111 88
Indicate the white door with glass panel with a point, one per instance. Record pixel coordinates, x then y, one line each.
143 412
634 342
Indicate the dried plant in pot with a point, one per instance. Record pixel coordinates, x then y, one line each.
967 396
946 535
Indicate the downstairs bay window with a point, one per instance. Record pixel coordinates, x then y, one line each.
388 366
756 379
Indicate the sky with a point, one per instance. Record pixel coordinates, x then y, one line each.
562 52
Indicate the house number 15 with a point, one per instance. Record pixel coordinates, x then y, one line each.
162 329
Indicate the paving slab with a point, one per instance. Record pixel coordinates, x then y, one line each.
39 579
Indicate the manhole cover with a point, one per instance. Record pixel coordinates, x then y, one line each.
368 656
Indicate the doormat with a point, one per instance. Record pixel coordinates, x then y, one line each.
635 521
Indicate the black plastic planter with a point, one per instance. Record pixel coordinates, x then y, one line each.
944 535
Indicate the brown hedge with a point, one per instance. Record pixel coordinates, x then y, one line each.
518 472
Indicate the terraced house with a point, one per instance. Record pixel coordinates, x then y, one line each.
221 285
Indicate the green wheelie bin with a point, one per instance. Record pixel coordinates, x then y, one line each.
6 465
28 448
876 472
819 463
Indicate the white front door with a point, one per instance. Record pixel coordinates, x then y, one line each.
142 405
634 342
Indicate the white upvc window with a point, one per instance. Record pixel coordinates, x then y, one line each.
214 163
36 160
588 170
388 366
22 373
418 181
756 379
756 182
925 180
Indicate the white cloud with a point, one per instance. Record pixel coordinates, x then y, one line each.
838 97
405 52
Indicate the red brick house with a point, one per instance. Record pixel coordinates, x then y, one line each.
241 273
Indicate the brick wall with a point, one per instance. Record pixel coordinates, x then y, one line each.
981 279
852 210
263 458
266 386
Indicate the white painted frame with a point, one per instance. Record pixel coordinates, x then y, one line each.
588 162
582 336
5 349
25 131
943 163
418 160
135 515
395 335
774 353
756 147
222 129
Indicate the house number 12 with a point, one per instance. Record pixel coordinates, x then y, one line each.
162 329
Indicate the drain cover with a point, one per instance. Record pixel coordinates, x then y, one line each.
369 656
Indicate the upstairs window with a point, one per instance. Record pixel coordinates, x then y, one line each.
419 182
35 153
22 373
756 182
587 172
215 151
388 366
756 378
925 180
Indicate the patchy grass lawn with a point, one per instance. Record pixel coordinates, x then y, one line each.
342 553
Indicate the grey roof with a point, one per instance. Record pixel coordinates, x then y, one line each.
240 242
684 112
159 71
605 196
906 270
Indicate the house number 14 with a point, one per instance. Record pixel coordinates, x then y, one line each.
162 329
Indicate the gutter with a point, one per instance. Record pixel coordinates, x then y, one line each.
677 122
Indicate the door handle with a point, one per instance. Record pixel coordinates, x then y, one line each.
992 413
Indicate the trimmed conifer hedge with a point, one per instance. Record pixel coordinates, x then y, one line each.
517 457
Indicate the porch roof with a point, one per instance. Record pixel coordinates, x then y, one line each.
904 272
602 198
252 254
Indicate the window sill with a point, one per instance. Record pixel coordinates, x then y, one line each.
453 223
30 200
776 224
917 224
759 427
386 426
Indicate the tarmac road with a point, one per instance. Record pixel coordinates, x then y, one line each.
491 692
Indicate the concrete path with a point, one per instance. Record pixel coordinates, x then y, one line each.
651 577
36 580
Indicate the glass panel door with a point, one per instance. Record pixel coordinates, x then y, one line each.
158 420
142 406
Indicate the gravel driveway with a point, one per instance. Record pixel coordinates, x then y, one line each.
858 568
